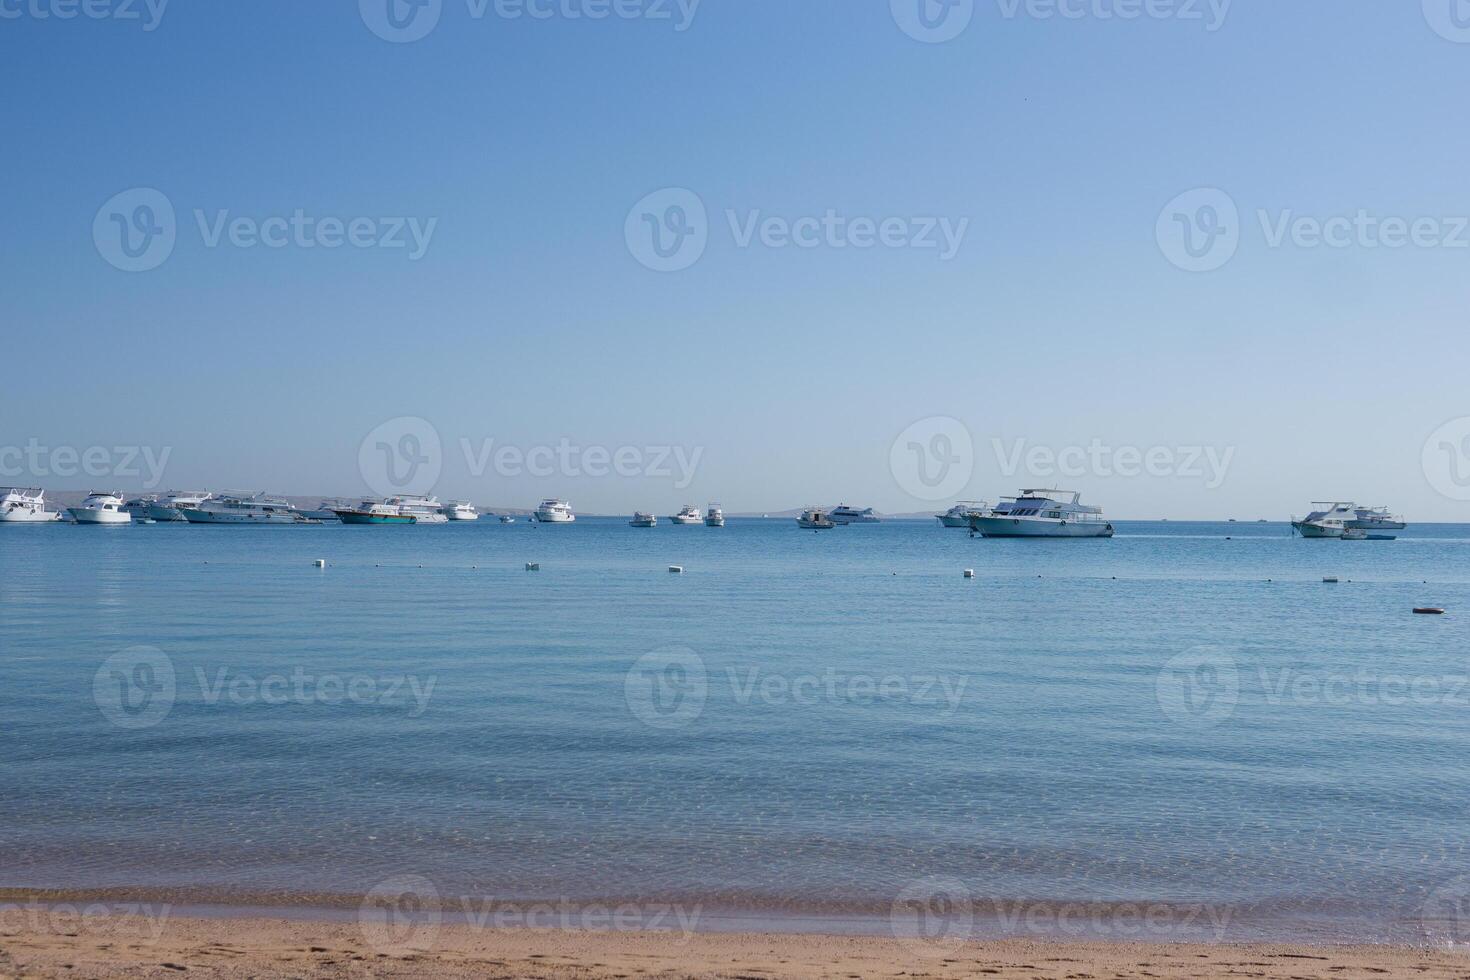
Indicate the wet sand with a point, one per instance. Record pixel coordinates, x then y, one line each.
177 945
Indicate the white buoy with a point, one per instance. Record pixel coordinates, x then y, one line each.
321 563
533 566
676 569
969 573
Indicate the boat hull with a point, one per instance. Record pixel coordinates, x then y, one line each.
687 520
215 517
84 516
29 516
948 521
714 522
815 525
555 519
354 517
163 513
1307 530
1020 527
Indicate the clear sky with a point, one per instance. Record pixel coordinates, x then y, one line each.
1049 142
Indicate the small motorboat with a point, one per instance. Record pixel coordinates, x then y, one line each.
640 519
815 519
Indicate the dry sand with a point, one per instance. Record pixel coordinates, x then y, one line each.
261 947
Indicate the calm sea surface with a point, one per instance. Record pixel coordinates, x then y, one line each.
801 724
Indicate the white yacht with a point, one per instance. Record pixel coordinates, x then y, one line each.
1043 514
423 510
101 508
554 511
374 512
843 514
20 505
461 510
169 507
138 506
326 510
714 517
815 519
688 514
959 515
1328 520
245 508
641 519
1376 520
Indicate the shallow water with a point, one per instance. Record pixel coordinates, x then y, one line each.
801 724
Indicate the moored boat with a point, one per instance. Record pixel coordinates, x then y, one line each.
554 511
1043 514
461 510
640 519
714 516
25 505
959 515
101 507
688 514
374 512
245 508
170 506
815 519
423 510
844 514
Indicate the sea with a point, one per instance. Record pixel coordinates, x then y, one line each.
1184 732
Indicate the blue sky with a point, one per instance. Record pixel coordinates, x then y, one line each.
522 144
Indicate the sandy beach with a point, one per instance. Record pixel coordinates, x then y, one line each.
264 947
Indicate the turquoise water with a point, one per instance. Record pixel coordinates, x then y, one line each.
800 724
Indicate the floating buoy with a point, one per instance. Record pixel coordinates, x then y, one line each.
1429 611
533 566
1330 580
320 563
676 569
969 573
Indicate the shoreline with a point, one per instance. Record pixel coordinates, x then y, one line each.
264 946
